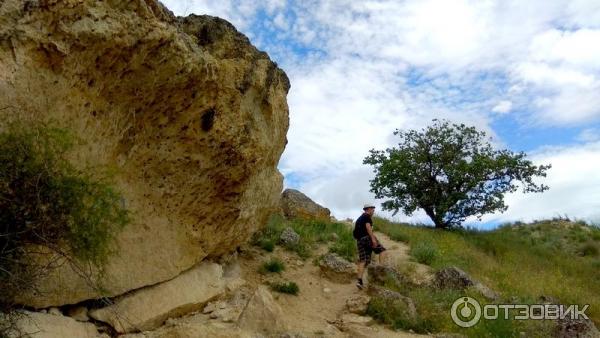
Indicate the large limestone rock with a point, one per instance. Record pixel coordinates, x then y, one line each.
148 308
43 325
187 114
262 314
295 204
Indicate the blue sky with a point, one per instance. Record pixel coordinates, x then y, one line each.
527 72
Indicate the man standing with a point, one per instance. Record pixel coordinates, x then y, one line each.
366 241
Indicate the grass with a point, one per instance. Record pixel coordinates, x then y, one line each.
286 287
274 265
311 232
424 252
521 260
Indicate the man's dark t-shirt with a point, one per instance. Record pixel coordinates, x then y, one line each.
360 227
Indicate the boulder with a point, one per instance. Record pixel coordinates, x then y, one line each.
187 115
337 269
380 274
455 278
576 328
289 237
294 204
194 328
43 325
148 308
452 278
358 304
262 314
392 296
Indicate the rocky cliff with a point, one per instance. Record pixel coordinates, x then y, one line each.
190 117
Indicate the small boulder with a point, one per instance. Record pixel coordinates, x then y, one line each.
379 274
389 295
337 269
262 314
79 313
55 311
352 318
452 278
575 328
289 237
295 204
455 278
358 304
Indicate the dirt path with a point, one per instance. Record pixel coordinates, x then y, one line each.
320 303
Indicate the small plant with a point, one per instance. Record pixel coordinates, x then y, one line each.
286 287
424 252
589 249
266 244
46 201
274 265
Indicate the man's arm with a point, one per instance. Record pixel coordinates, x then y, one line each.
370 231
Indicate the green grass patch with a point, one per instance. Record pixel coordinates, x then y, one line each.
274 265
424 252
286 287
311 232
521 260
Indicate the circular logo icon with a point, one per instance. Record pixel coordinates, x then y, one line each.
465 312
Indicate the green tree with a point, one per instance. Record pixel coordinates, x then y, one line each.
451 171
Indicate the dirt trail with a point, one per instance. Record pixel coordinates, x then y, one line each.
320 302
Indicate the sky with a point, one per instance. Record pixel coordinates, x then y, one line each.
526 72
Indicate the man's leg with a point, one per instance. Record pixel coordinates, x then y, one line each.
360 270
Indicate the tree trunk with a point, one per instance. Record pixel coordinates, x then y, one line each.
439 223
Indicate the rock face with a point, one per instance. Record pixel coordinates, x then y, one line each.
189 116
295 204
148 308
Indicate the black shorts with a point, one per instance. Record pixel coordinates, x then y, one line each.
365 249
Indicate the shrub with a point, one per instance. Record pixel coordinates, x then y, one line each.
424 252
589 249
274 265
45 201
266 244
286 287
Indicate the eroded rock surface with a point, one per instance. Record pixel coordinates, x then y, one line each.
187 114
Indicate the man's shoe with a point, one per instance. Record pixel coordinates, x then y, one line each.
359 284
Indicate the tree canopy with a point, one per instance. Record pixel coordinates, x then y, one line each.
451 171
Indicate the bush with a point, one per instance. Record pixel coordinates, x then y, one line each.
589 249
45 201
395 314
274 265
286 287
424 252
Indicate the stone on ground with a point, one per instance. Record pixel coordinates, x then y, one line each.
148 308
262 314
337 269
43 325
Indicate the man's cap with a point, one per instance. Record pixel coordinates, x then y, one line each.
368 205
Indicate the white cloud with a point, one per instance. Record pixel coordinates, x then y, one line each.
502 107
574 182
373 66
